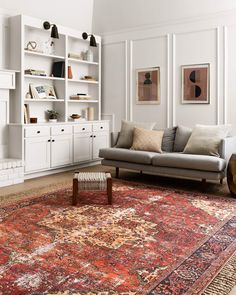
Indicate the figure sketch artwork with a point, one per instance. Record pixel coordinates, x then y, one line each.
148 86
195 84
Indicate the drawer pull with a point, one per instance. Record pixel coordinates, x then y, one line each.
91 136
101 127
94 136
83 128
38 132
53 140
62 130
49 140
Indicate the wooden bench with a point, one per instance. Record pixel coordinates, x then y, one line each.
92 181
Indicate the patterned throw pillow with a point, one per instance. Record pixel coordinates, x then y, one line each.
147 140
126 133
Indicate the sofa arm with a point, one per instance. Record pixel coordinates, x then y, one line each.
228 147
114 138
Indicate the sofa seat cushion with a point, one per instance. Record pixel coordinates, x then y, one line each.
187 161
119 154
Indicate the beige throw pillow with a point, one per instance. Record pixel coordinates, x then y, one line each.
205 139
147 140
126 133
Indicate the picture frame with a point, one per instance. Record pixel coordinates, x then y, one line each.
40 91
195 84
148 86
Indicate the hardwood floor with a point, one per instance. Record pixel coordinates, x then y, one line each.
66 177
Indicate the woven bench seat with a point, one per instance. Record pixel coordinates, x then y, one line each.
95 181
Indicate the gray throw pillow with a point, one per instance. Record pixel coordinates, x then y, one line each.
168 139
181 138
125 139
205 139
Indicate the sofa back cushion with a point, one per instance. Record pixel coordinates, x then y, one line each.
125 139
181 138
147 140
206 139
168 139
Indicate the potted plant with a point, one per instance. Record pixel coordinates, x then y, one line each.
53 115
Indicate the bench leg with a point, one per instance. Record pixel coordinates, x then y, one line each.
109 190
75 192
117 172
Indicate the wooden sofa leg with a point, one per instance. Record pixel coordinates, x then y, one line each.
117 172
203 184
221 180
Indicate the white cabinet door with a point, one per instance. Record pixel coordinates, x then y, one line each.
82 147
37 154
61 150
100 140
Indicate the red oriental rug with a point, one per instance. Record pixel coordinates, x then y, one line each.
150 241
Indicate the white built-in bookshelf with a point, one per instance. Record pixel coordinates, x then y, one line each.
25 29
45 146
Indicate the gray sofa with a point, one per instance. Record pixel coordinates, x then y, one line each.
170 163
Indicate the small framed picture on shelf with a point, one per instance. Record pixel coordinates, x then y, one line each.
39 91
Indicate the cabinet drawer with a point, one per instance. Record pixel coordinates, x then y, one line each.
103 126
83 128
61 129
7 80
37 131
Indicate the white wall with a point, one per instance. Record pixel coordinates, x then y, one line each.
113 15
70 13
209 39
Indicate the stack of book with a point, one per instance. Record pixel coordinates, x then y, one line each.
80 96
35 72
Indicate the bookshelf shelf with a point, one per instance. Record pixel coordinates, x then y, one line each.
83 81
75 60
33 53
35 100
83 101
44 77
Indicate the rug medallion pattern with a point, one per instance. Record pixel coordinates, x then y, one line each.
150 241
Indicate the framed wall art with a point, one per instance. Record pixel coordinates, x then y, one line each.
148 86
196 84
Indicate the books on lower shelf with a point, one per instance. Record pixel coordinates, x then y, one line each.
35 72
80 97
26 114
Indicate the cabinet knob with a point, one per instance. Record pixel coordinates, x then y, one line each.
94 136
91 136
101 127
38 132
53 140
62 130
49 140
83 128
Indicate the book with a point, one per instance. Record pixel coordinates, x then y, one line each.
80 97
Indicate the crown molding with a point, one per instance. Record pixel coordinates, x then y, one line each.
181 21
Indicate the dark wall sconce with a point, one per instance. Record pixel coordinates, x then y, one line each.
92 42
54 31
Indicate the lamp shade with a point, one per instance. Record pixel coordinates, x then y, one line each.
93 41
54 32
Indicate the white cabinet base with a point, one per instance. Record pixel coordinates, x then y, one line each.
61 150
